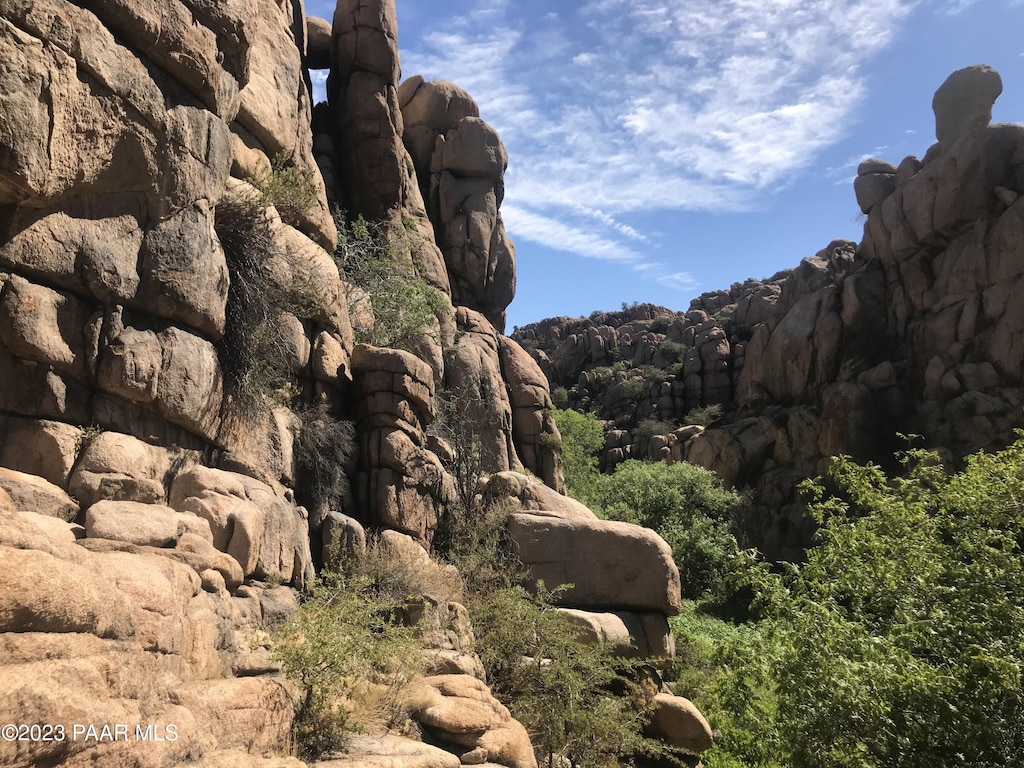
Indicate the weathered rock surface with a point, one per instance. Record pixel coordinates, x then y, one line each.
145 511
460 710
679 723
403 484
29 493
964 102
609 564
460 163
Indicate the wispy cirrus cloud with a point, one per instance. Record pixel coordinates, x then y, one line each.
610 108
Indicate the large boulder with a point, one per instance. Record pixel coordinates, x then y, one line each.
609 564
964 102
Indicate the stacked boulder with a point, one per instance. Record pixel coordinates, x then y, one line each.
399 478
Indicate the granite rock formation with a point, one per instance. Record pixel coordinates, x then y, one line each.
174 339
914 330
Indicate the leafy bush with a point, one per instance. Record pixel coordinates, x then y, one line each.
634 390
348 653
582 441
578 701
560 398
399 575
703 415
405 308
901 641
660 324
647 429
669 353
688 507
287 189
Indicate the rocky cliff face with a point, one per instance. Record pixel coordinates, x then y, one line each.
158 514
913 330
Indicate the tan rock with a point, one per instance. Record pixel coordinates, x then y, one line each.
536 497
44 448
462 710
121 468
252 714
43 325
536 437
249 520
473 376
680 723
390 752
635 635
31 493
610 564
318 43
46 594
80 242
144 524
184 275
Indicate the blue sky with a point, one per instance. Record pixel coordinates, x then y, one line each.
662 148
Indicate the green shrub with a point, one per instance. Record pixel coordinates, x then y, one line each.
901 641
560 398
660 324
688 507
582 442
348 653
578 701
405 308
287 189
703 415
670 354
634 390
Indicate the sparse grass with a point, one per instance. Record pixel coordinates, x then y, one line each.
405 307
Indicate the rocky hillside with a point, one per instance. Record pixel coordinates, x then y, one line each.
914 330
188 426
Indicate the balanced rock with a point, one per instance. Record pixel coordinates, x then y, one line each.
964 102
876 180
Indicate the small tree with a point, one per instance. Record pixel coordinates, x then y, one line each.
578 701
404 307
688 507
344 643
582 441
900 643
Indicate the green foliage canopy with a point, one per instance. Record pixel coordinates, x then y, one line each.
900 643
688 507
582 440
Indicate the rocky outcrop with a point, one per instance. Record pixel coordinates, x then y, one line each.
459 710
178 365
460 162
399 480
913 331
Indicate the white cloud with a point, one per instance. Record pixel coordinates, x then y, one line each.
680 281
564 237
696 106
